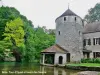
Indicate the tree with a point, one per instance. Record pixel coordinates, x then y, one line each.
42 40
29 42
3 46
6 15
93 14
14 32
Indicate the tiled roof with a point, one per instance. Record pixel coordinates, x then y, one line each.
55 49
92 27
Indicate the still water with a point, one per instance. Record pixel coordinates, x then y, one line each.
11 68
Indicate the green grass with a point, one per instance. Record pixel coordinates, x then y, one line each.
86 64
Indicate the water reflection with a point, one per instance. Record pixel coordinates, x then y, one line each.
57 71
33 69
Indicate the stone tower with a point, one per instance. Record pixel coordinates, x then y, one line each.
69 28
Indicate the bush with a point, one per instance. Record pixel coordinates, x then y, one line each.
91 60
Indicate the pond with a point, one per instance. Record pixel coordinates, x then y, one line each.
12 68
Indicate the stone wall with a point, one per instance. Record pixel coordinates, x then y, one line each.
70 36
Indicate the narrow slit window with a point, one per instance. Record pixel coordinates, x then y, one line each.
75 19
64 18
59 32
79 33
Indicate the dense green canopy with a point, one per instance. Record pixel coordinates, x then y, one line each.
20 34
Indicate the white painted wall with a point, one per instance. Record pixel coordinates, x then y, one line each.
57 55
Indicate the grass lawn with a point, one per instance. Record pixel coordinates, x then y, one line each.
86 64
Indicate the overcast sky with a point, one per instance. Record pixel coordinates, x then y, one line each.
44 12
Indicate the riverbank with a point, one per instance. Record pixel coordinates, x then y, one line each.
84 66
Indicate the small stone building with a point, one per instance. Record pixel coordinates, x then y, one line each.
57 54
74 40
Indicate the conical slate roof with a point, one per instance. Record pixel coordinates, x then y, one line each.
68 12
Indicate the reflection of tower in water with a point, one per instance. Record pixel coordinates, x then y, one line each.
59 71
56 71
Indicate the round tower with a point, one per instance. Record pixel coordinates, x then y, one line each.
69 28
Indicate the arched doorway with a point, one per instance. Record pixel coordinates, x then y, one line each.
60 59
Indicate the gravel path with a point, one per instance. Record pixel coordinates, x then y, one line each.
88 73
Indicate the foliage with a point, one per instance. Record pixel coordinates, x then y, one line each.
4 45
91 60
42 40
14 32
6 14
93 14
29 43
85 64
20 32
36 39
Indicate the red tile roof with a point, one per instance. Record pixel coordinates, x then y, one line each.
55 49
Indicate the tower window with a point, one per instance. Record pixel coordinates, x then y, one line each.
64 18
75 19
58 32
79 32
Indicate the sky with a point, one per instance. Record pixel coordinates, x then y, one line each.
44 12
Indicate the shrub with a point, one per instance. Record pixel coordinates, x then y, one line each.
90 60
